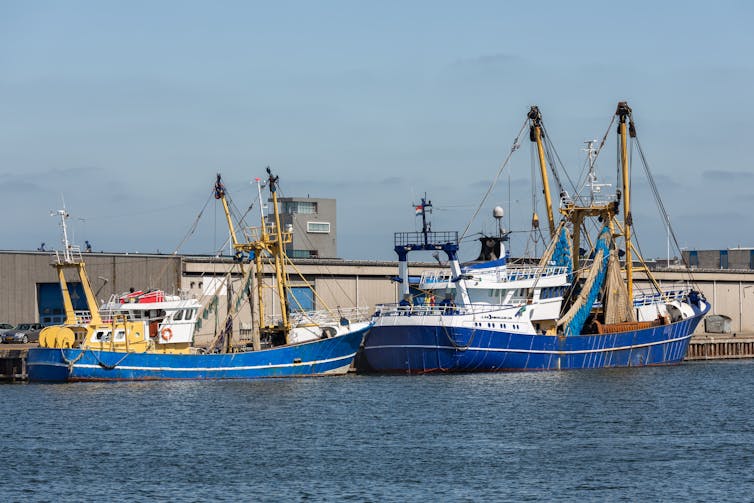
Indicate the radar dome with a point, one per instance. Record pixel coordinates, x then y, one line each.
498 212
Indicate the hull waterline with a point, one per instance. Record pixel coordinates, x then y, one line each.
322 357
425 349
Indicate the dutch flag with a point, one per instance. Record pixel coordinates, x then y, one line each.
419 210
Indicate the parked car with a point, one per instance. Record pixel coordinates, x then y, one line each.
4 327
23 333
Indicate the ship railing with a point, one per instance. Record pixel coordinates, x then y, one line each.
72 256
326 317
432 278
108 315
82 317
518 274
649 297
422 238
183 295
436 309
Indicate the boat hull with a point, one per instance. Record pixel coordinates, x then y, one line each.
437 348
322 357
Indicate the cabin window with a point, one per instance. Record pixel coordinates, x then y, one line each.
178 316
101 336
120 335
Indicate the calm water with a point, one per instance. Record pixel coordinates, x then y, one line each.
683 433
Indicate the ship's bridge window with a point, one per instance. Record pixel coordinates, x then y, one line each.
120 335
156 314
178 316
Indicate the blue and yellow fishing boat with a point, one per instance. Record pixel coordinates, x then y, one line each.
150 335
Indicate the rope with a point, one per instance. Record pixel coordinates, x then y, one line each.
105 365
71 363
663 211
452 341
338 284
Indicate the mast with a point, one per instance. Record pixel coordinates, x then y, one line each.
255 249
278 252
624 112
424 205
535 135
220 194
69 260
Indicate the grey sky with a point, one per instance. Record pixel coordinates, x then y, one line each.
129 109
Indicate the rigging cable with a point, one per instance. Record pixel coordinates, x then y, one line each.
514 147
329 272
663 211
190 232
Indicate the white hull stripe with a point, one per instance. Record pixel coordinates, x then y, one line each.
198 369
537 351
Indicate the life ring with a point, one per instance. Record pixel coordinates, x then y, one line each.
166 334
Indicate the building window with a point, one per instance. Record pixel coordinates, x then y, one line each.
751 259
723 259
302 253
302 207
318 227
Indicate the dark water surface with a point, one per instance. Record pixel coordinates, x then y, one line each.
681 433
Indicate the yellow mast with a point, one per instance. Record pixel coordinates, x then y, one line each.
535 135
70 314
90 299
623 112
271 244
279 254
220 194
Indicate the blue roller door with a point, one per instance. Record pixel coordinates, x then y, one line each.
301 298
50 302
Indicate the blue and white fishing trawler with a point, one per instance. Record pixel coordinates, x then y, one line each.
150 335
571 310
